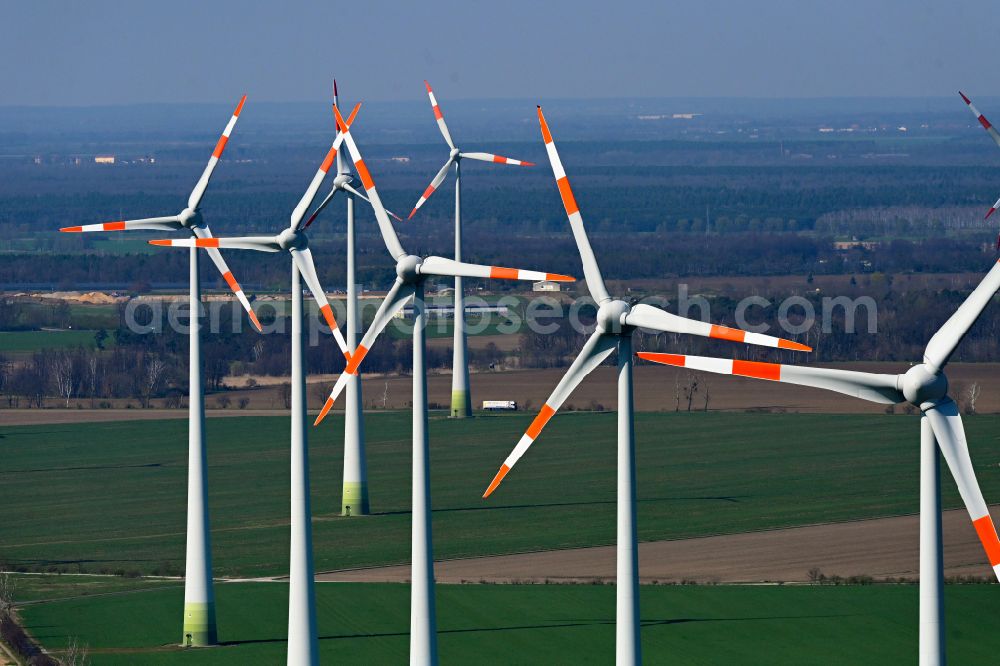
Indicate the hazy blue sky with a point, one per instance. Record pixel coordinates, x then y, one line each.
108 52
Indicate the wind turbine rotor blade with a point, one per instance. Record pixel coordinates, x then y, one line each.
440 117
866 386
259 243
647 316
947 338
364 198
987 125
385 226
199 189
950 436
307 198
597 348
169 223
307 269
393 303
341 161
319 210
451 268
591 271
227 275
499 159
435 183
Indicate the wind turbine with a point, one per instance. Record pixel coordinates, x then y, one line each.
992 131
461 399
303 644
616 320
199 597
412 271
354 498
925 386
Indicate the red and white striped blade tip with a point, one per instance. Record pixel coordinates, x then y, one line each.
165 242
967 100
990 212
428 86
496 480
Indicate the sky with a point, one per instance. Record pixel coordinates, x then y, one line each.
209 51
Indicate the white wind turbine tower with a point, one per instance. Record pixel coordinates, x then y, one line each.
925 386
199 597
412 271
354 499
461 398
616 320
303 645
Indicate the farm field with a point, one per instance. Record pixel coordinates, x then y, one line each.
110 496
533 624
32 341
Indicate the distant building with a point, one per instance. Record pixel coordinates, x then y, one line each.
448 311
38 159
104 159
851 244
402 159
546 285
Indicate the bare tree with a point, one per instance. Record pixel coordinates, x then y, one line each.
75 654
285 392
690 389
677 391
971 396
155 369
63 376
707 397
385 395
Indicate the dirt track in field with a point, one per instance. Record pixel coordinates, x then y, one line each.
654 391
882 548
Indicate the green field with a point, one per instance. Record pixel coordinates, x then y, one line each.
32 341
534 624
107 497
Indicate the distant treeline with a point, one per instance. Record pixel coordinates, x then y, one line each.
622 256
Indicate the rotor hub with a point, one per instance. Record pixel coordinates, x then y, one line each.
342 179
190 218
920 385
290 239
408 268
455 154
611 315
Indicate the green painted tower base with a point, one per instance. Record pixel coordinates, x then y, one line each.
199 625
461 407
355 502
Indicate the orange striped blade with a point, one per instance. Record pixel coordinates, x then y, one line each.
72 229
161 242
536 426
726 333
496 480
757 370
988 536
356 358
665 359
328 316
546 134
323 412
557 277
500 273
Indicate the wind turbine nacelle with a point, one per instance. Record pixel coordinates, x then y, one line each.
290 239
190 218
408 268
920 385
611 316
